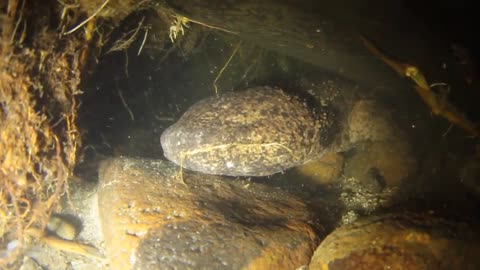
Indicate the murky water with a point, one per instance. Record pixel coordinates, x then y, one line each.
128 105
383 149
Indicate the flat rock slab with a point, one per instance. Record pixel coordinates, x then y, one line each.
400 241
153 217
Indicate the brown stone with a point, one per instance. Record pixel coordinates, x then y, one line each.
369 121
381 146
391 159
323 171
400 241
153 217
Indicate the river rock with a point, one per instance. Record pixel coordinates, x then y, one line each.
155 217
400 241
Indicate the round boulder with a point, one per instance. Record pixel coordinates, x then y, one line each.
400 241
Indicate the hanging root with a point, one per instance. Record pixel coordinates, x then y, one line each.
180 21
224 67
88 19
39 138
124 42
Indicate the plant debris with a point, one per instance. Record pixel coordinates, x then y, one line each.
438 104
40 71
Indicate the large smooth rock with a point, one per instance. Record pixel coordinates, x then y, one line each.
153 218
400 241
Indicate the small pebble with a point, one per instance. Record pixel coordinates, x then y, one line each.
62 227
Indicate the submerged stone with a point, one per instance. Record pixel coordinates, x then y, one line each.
400 241
152 217
255 132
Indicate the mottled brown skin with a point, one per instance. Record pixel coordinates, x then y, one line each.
255 132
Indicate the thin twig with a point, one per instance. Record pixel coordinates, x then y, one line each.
253 66
448 130
24 33
126 63
7 23
17 24
65 245
123 44
164 57
203 24
224 67
88 19
126 105
438 106
213 27
143 42
65 9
